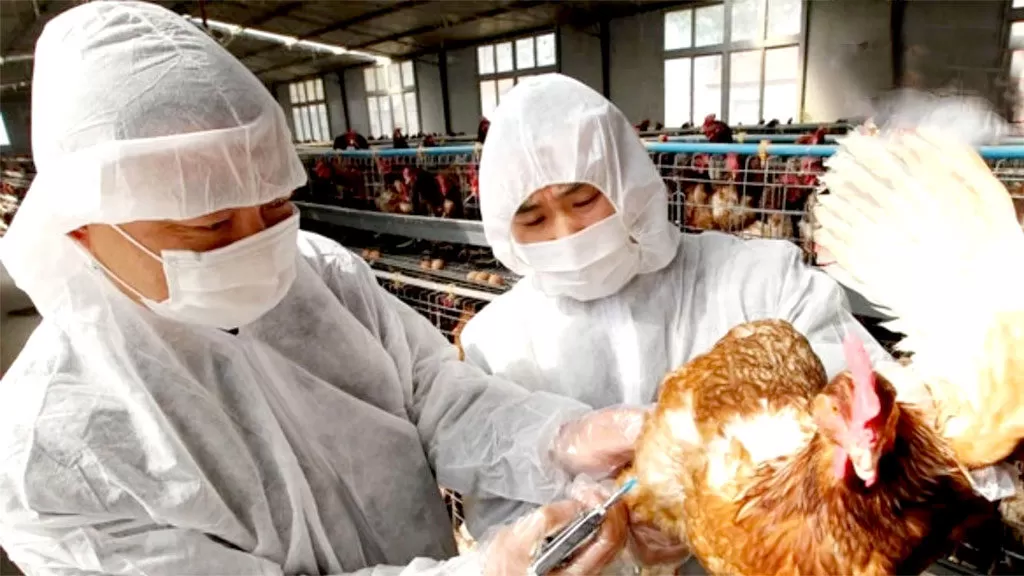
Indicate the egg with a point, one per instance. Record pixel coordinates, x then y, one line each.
437 264
495 280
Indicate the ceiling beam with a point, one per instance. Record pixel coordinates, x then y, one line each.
31 25
342 24
283 9
511 7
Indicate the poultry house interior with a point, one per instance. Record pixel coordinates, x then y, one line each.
740 104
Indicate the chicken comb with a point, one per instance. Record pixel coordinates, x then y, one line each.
866 404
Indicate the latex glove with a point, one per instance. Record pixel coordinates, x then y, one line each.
512 549
652 547
600 442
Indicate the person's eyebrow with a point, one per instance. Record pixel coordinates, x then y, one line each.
529 205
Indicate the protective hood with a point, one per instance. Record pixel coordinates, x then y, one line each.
138 115
552 129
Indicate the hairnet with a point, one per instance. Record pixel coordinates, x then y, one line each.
138 115
554 130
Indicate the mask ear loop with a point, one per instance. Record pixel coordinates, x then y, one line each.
96 264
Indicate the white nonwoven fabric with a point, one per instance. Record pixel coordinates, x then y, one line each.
167 125
310 442
552 129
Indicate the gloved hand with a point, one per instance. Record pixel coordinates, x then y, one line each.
600 442
512 549
652 547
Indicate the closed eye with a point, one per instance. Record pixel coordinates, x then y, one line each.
586 202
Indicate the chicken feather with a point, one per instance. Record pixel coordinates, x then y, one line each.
917 223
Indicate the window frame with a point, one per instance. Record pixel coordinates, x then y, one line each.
728 47
309 111
388 93
516 74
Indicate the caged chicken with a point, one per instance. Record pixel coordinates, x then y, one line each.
765 467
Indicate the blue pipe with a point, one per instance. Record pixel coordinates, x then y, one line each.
988 152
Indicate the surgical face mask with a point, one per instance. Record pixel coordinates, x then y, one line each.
226 287
593 263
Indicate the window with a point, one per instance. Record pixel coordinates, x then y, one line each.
391 99
5 140
309 111
762 48
503 65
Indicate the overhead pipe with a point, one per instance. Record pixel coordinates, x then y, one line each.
16 58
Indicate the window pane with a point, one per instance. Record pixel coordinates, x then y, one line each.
382 79
746 20
371 104
302 93
504 85
310 90
398 111
325 124
503 53
297 124
488 97
412 113
677 91
1018 3
408 77
293 93
386 124
784 17
677 29
485 59
781 88
314 122
744 87
710 25
1017 35
394 77
546 50
370 79
319 89
707 86
307 126
524 54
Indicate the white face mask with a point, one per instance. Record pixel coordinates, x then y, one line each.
226 287
592 263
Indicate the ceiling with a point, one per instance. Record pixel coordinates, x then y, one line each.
398 29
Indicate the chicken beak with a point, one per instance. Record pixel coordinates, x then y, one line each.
864 464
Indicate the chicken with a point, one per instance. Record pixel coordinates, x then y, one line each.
953 284
481 130
468 311
643 126
1017 194
776 225
398 141
765 467
425 191
729 211
698 215
351 139
451 195
716 131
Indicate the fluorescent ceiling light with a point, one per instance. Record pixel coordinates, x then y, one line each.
287 41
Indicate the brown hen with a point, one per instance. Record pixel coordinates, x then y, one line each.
767 468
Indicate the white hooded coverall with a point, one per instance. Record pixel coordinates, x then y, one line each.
313 441
690 290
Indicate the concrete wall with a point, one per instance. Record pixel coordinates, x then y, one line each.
957 45
463 90
431 100
335 104
849 58
355 100
637 66
580 54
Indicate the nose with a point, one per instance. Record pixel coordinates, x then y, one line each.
249 221
565 225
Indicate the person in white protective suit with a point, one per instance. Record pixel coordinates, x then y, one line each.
613 296
212 391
